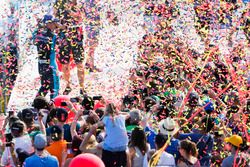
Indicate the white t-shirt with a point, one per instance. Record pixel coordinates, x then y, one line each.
166 160
23 142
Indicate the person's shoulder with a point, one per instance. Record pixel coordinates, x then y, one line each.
52 158
167 155
167 159
30 159
227 161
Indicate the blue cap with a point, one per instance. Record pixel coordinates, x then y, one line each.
40 141
208 107
49 19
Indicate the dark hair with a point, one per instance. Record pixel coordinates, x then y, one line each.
12 119
91 120
40 102
160 140
99 112
189 147
17 128
208 124
61 114
27 116
88 103
138 139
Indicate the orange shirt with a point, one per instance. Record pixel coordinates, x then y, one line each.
57 148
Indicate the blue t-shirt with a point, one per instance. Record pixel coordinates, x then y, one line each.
228 162
35 160
205 143
67 133
116 138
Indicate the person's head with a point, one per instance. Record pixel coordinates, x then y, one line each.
168 126
207 124
100 112
135 117
27 116
193 99
138 139
160 140
188 148
61 114
110 109
18 128
40 142
88 103
91 120
50 22
234 142
12 119
40 102
56 133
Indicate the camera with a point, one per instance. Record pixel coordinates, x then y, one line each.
8 144
63 104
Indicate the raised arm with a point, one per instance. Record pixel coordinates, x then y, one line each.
73 125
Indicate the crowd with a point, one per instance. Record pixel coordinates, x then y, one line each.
183 108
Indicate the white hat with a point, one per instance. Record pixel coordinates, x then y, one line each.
168 126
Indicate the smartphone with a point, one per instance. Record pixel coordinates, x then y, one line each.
8 144
69 148
63 103
97 97
69 145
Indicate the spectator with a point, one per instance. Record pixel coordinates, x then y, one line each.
116 140
59 116
234 143
169 128
58 145
165 159
41 157
189 154
203 139
133 121
138 148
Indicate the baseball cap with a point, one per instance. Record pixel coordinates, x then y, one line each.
17 127
40 141
49 19
27 114
56 131
235 140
